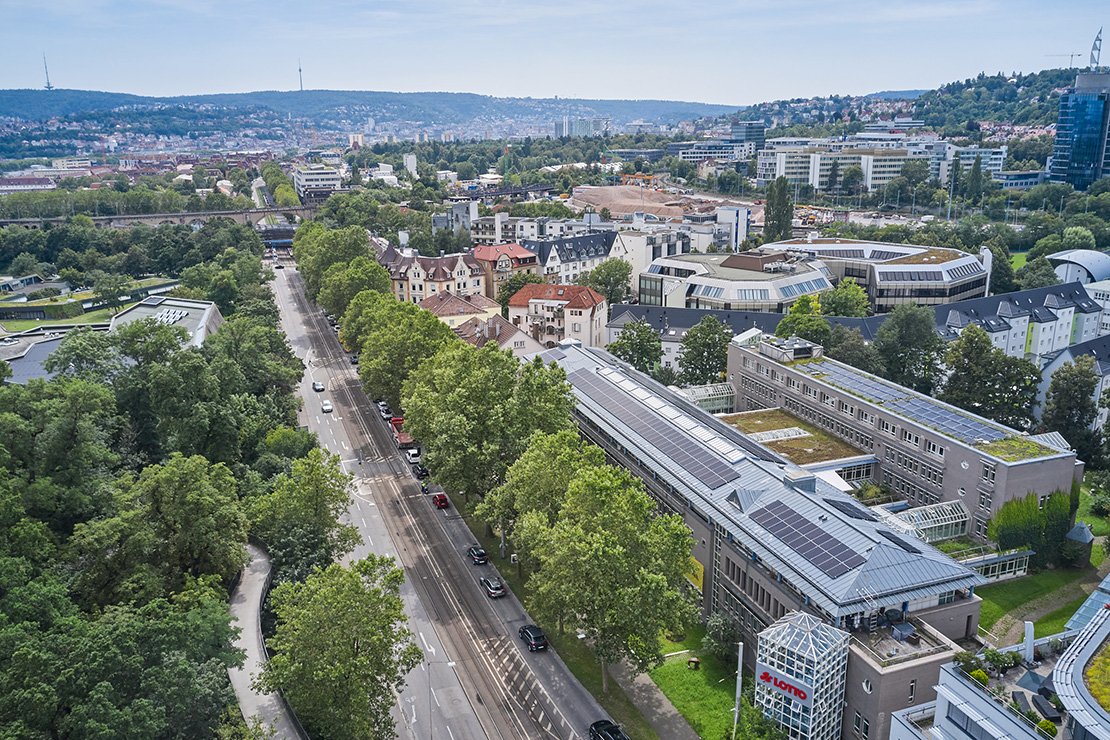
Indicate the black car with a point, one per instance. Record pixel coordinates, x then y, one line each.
533 637
605 729
354 359
477 555
419 471
493 587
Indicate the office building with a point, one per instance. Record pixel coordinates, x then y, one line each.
315 182
745 281
894 274
631 155
772 541
892 126
551 313
1019 179
924 451
644 243
721 151
1081 153
1080 265
749 131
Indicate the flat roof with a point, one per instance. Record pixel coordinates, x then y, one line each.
827 544
715 267
779 429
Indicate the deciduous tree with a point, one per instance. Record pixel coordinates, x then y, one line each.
986 381
805 320
849 346
1070 407
343 281
610 278
704 351
639 345
909 347
848 298
778 213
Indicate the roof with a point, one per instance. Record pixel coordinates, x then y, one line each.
1080 533
199 318
449 304
804 635
673 323
736 267
769 509
496 328
997 312
493 252
436 269
577 248
1070 680
1097 264
575 296
1098 599
1097 348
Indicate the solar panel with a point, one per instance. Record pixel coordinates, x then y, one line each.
819 548
691 455
947 421
899 541
849 509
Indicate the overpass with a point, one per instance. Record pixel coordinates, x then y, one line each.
251 217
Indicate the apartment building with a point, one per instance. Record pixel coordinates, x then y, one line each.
315 182
894 274
416 278
1097 349
497 330
746 281
460 216
565 259
845 615
926 451
551 313
500 261
455 310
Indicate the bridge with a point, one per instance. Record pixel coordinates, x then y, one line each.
252 217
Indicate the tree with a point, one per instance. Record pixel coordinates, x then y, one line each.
639 345
88 354
848 346
613 566
778 213
109 288
317 248
1070 407
399 346
610 278
704 351
343 281
848 298
475 409
805 320
973 188
722 633
909 348
986 381
1037 273
834 176
342 648
916 171
852 180
512 284
1002 270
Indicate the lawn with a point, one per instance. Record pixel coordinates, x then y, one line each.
100 316
1053 622
574 652
1017 260
1100 527
1003 598
956 544
817 447
704 697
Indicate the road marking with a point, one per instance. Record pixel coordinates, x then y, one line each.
345 446
363 520
448 727
427 647
431 689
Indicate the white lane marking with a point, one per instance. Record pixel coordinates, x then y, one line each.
427 647
363 520
345 446
448 727
432 689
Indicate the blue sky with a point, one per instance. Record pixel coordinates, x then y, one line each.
732 51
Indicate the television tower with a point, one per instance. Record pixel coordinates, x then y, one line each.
47 70
300 76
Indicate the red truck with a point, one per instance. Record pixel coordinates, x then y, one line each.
403 439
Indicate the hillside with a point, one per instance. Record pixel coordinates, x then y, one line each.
337 106
1024 99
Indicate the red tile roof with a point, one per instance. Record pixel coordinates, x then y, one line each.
492 252
575 296
449 304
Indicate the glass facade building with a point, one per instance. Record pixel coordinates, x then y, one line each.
1081 154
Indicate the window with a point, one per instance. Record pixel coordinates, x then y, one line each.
857 722
887 427
866 729
933 448
913 690
988 473
910 438
867 687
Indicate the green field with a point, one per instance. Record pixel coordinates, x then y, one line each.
704 697
1003 598
100 316
1053 622
1017 260
1100 527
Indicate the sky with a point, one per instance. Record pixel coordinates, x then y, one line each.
733 52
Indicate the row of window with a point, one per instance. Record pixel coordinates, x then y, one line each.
910 490
915 467
845 431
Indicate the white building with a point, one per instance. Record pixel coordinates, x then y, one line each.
1082 265
551 313
315 181
564 259
409 161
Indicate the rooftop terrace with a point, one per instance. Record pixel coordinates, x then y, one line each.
800 442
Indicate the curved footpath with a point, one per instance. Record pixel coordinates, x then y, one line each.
246 605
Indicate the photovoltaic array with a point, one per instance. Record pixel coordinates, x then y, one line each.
819 548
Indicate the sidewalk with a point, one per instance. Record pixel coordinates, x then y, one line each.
656 708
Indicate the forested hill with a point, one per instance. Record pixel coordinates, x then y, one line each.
1026 99
440 108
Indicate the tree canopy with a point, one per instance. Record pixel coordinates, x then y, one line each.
639 345
704 351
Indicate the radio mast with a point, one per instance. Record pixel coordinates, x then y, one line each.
300 76
47 70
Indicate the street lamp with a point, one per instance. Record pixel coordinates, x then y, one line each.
739 682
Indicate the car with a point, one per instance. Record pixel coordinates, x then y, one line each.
326 407
413 454
477 555
335 328
317 386
420 471
279 266
493 587
354 359
441 501
331 319
606 729
386 412
533 637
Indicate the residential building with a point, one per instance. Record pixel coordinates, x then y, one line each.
813 165
416 277
1082 265
1081 153
925 451
25 184
894 274
645 244
409 162
580 127
564 259
746 281
495 328
1099 292
455 310
459 216
1097 349
551 313
500 261
772 541
1054 666
315 182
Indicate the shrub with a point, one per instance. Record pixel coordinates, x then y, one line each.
967 661
1047 727
980 676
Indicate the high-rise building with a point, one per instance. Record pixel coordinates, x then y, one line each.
754 131
1081 154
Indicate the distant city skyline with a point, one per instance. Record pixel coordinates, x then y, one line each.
747 52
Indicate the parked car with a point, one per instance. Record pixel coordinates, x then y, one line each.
420 471
441 501
412 454
493 587
354 359
605 729
533 637
386 412
317 386
477 555
326 407
279 266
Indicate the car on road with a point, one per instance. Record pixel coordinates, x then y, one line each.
477 555
385 412
533 637
354 359
279 266
441 501
317 386
420 471
606 729
326 407
413 454
493 587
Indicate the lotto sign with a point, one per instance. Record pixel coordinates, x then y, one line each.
783 684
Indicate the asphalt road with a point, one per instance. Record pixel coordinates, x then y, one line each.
477 681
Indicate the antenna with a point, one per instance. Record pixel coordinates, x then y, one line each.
1096 50
300 76
47 70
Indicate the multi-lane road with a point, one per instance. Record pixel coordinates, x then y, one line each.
476 680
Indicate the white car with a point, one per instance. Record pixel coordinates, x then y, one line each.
317 386
326 407
413 455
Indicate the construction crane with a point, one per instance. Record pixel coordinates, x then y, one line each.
1071 57
47 70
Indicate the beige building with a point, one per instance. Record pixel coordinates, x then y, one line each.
481 332
499 262
416 278
455 310
552 313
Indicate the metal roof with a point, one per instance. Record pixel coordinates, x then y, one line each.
1097 264
1070 683
1098 599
